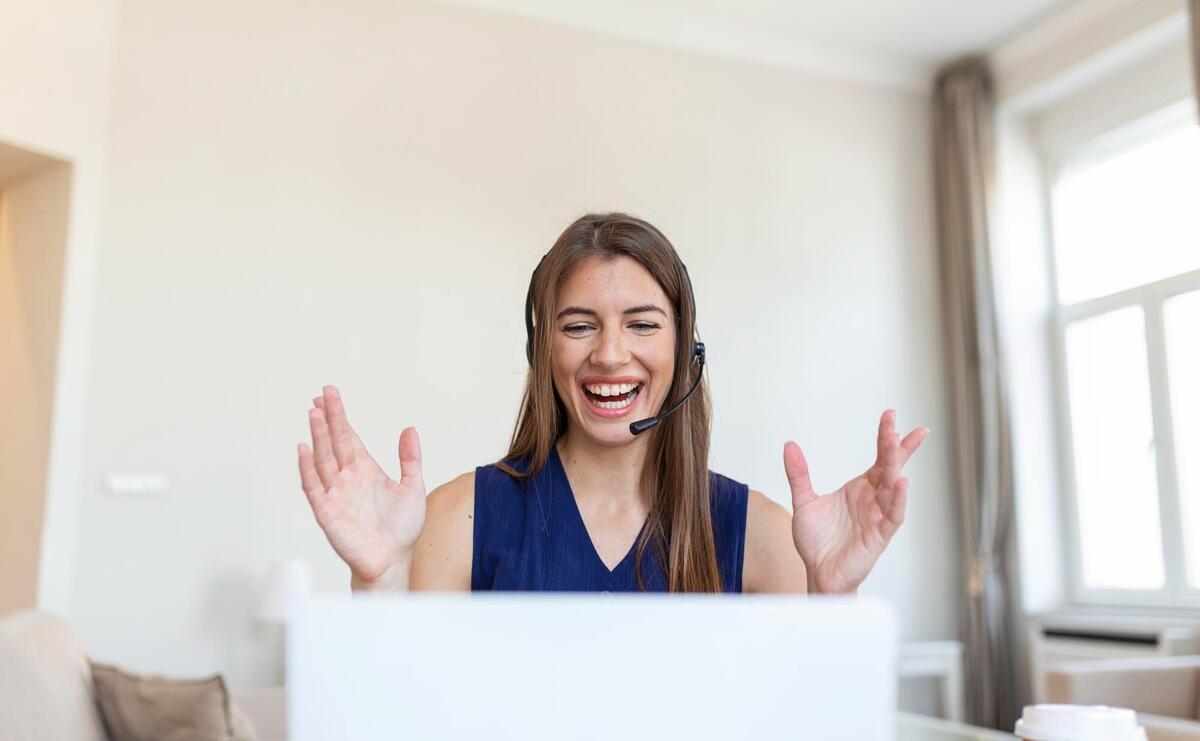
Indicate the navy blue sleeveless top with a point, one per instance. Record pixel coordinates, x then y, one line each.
530 536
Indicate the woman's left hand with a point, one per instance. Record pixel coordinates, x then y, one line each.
840 535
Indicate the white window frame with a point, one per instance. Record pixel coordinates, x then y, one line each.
1176 593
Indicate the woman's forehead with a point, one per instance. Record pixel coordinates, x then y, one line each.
613 284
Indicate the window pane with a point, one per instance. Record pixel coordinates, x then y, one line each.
1181 315
1113 434
1129 219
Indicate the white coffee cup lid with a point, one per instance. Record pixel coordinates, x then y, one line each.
1079 723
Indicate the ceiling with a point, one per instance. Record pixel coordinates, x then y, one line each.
896 42
926 31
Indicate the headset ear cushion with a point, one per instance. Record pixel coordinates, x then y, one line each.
529 330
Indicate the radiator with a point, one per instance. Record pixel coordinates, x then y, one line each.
1056 638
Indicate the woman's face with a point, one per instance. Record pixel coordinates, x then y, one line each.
614 347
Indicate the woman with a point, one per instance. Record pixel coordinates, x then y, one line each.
580 502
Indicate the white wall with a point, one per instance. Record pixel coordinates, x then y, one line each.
1081 43
356 195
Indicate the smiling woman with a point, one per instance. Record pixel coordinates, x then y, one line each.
584 500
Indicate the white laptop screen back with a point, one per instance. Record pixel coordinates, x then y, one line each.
552 668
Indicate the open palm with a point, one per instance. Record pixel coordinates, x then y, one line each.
371 520
840 535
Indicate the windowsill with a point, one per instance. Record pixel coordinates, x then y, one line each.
1122 614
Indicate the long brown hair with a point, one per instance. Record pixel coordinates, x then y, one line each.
679 523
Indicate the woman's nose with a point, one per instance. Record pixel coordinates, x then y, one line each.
611 349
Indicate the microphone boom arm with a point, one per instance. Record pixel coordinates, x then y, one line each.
642 425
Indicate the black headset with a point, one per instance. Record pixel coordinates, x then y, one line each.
641 425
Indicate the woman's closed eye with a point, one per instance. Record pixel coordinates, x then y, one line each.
577 330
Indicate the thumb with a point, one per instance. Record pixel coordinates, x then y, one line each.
797 473
410 457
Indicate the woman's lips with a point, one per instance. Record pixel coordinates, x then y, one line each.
599 411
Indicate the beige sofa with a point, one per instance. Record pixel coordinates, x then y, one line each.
46 688
1164 690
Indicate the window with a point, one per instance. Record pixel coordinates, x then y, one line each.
1126 240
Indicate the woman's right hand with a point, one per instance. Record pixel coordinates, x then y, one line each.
371 520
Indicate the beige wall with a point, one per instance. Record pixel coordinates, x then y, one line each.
33 226
356 194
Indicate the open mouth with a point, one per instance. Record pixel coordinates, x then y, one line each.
612 396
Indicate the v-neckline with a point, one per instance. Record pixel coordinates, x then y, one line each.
561 470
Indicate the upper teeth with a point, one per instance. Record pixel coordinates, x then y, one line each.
617 389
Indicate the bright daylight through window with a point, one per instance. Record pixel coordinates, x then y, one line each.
1127 263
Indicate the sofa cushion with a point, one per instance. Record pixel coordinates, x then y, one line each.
266 709
1161 685
143 707
45 681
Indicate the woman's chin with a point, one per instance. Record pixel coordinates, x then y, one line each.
609 432
613 440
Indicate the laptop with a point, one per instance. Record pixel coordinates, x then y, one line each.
538 667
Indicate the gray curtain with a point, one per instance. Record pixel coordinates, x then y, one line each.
964 153
1194 8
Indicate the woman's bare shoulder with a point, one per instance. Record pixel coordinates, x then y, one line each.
771 563
455 492
442 555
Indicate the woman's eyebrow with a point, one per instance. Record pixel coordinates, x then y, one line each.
644 308
592 312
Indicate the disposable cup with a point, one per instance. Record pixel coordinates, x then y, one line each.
1078 723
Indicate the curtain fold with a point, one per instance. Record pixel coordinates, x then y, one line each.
964 153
